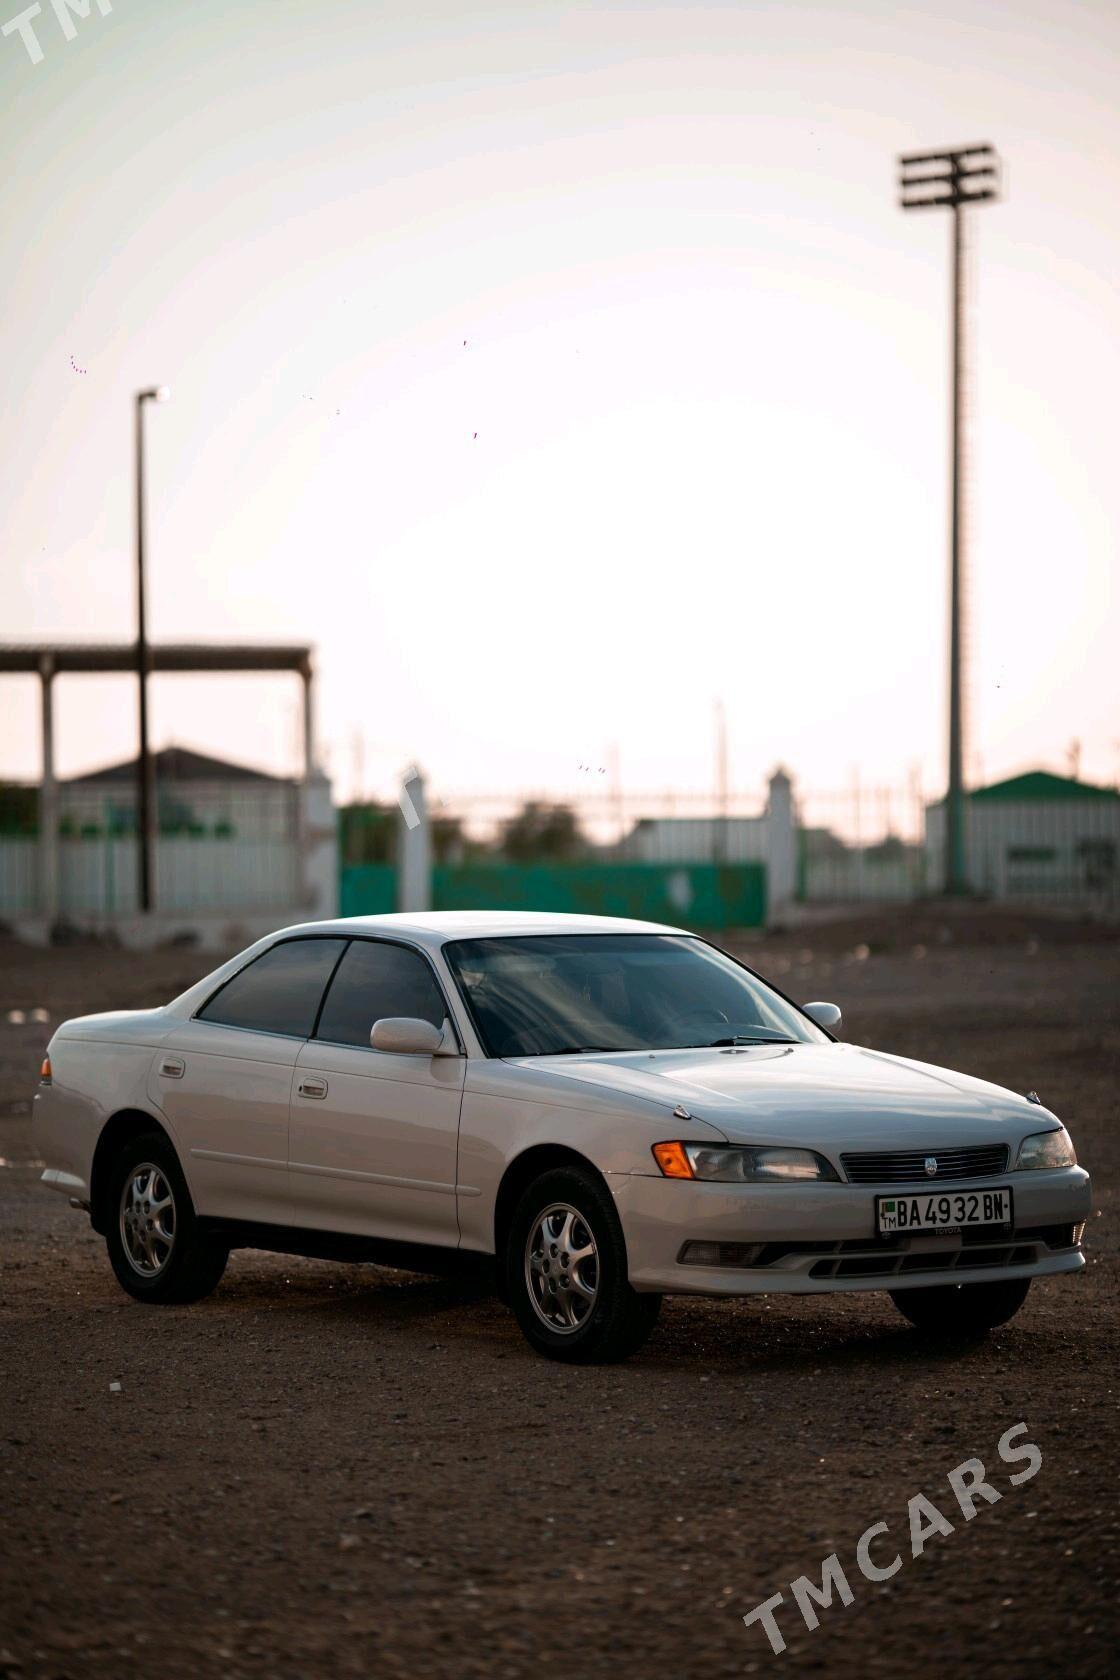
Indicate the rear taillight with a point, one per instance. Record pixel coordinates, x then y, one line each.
45 1071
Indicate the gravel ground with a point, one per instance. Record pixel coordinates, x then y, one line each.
329 1470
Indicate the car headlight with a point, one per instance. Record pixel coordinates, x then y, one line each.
1046 1149
739 1164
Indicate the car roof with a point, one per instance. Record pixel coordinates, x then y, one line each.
436 927
427 929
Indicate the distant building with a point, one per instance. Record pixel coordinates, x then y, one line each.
1035 836
822 867
696 840
195 795
236 850
832 872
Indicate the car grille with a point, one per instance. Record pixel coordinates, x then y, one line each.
983 1245
954 1260
887 1256
908 1166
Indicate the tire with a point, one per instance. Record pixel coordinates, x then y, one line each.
964 1309
566 1272
156 1247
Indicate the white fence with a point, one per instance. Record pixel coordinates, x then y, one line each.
697 839
863 843
1064 850
225 859
858 845
19 874
97 875
863 877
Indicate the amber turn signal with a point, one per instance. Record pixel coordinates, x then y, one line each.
672 1160
45 1071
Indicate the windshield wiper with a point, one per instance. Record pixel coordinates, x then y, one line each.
581 1049
741 1038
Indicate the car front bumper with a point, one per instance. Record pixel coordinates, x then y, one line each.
822 1237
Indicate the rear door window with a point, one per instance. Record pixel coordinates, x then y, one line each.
280 992
375 979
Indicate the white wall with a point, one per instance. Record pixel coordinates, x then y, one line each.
19 874
997 830
698 840
204 883
857 879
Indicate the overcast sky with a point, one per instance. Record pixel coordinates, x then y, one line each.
557 370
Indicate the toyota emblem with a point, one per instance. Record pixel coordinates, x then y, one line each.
931 1166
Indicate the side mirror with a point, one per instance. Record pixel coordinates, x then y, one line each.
824 1014
406 1035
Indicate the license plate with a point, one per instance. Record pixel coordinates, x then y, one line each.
942 1211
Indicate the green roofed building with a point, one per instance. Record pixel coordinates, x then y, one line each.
1036 836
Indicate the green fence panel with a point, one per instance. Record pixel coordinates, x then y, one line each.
685 894
699 895
367 889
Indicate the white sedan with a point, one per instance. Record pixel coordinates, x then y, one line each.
600 1111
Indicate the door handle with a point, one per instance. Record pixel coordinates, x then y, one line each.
172 1067
312 1087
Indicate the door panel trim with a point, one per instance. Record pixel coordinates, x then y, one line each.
435 1185
239 1160
373 1178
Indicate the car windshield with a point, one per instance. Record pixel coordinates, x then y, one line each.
555 994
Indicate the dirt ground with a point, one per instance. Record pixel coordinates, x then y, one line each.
330 1470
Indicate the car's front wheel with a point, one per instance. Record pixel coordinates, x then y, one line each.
156 1247
566 1272
962 1308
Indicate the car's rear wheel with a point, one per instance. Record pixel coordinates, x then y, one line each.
156 1246
962 1308
566 1272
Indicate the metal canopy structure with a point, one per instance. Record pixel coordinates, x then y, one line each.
48 660
89 658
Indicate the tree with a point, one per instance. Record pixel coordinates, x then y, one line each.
449 843
889 850
19 809
543 833
367 833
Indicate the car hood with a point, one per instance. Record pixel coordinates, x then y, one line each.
817 1095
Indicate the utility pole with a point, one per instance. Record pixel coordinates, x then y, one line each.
951 180
144 801
615 762
719 849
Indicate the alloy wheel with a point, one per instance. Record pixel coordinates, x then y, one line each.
147 1219
562 1268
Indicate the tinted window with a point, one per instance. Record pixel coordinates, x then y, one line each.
374 980
279 992
552 994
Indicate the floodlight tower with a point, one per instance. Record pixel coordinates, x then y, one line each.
928 181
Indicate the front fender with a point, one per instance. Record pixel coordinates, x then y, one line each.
508 1110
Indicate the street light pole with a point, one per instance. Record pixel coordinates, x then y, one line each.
956 869
933 180
144 801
